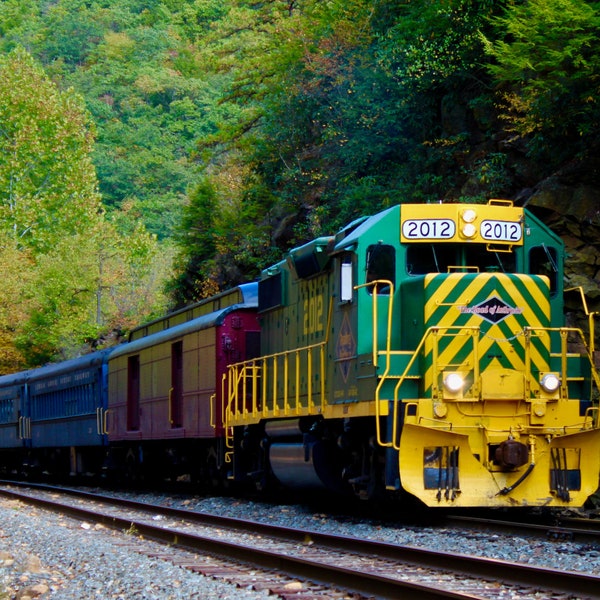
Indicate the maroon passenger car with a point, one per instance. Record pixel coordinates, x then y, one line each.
165 396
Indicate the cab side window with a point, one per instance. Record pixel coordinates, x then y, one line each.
543 260
381 266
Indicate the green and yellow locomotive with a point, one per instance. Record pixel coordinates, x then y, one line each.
421 350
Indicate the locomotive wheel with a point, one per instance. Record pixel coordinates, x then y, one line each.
133 473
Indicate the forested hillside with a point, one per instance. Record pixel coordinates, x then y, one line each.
235 128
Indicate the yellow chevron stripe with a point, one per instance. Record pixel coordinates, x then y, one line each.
444 291
495 333
451 351
518 300
450 316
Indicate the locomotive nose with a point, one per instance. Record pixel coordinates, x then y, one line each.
511 454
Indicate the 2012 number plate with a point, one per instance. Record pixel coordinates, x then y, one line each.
428 229
501 231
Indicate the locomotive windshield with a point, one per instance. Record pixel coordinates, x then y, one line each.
439 258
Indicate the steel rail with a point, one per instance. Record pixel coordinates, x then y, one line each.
561 528
372 584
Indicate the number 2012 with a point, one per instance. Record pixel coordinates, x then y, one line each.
313 314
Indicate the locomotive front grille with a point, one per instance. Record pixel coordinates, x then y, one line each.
479 323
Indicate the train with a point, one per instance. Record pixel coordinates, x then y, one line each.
420 352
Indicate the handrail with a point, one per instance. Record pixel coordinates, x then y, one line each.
24 428
563 331
170 403
374 284
589 315
376 353
228 433
433 334
247 374
212 409
414 354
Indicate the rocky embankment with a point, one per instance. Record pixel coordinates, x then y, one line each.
569 202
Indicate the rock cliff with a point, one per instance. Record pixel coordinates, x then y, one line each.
569 203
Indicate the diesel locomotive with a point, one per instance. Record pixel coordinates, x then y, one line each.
421 351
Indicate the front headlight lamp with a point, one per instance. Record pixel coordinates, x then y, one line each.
454 382
469 215
550 382
469 230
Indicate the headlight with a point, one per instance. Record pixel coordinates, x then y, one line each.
469 230
469 215
454 382
550 382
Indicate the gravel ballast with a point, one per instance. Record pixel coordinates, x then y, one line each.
44 555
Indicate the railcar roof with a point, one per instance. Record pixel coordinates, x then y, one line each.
246 293
250 293
197 324
94 359
12 379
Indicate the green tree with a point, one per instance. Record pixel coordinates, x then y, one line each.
70 33
198 242
74 275
19 23
546 64
131 271
48 186
151 102
138 68
15 272
91 286
60 321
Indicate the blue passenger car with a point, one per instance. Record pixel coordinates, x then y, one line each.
57 414
13 411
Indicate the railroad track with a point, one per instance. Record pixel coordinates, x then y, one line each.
559 528
278 558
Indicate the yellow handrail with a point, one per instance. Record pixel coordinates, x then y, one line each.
213 402
248 374
388 348
564 331
374 284
589 315
101 421
435 333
